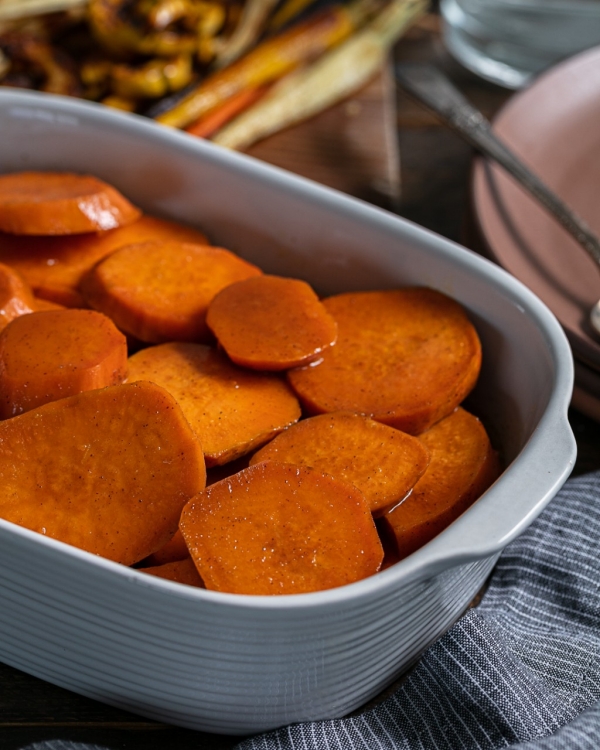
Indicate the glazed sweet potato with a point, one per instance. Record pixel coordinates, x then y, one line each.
55 266
271 323
45 356
43 305
173 551
231 410
383 463
406 358
280 529
180 571
463 465
46 203
16 297
108 471
160 291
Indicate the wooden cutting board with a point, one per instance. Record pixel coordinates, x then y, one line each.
351 147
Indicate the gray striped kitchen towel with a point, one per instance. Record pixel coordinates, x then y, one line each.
521 670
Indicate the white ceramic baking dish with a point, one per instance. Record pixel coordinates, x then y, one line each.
237 664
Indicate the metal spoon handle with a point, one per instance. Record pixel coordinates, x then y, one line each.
429 86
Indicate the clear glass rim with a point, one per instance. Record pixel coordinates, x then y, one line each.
548 6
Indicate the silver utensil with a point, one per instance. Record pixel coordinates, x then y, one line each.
431 87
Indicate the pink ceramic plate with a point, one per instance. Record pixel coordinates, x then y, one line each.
554 126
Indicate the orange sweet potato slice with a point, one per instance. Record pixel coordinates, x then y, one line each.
173 551
382 462
231 410
46 203
16 297
108 471
271 323
280 529
406 358
180 571
55 266
42 305
463 465
48 355
160 291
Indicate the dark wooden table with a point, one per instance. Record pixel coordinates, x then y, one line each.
434 192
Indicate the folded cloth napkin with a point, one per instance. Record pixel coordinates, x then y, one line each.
522 670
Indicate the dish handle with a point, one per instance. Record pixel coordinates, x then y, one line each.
510 505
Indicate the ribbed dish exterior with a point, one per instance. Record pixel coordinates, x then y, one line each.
175 655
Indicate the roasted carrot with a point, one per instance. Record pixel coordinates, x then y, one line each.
270 60
160 291
463 465
47 203
45 356
336 75
382 462
231 410
287 10
405 357
280 529
16 297
180 571
55 266
108 471
211 123
271 323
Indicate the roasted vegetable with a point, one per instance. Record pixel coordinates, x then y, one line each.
270 61
31 62
247 32
153 79
158 28
333 77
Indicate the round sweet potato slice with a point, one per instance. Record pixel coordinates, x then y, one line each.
180 571
173 551
108 470
46 203
16 297
55 266
381 461
160 291
280 529
404 357
271 323
463 465
231 410
48 355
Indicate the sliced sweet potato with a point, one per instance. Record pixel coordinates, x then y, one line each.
173 551
406 357
44 203
463 465
382 462
42 305
271 323
108 471
280 529
16 297
55 266
180 571
48 355
231 410
160 291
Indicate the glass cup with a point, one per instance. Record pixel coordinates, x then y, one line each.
510 41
